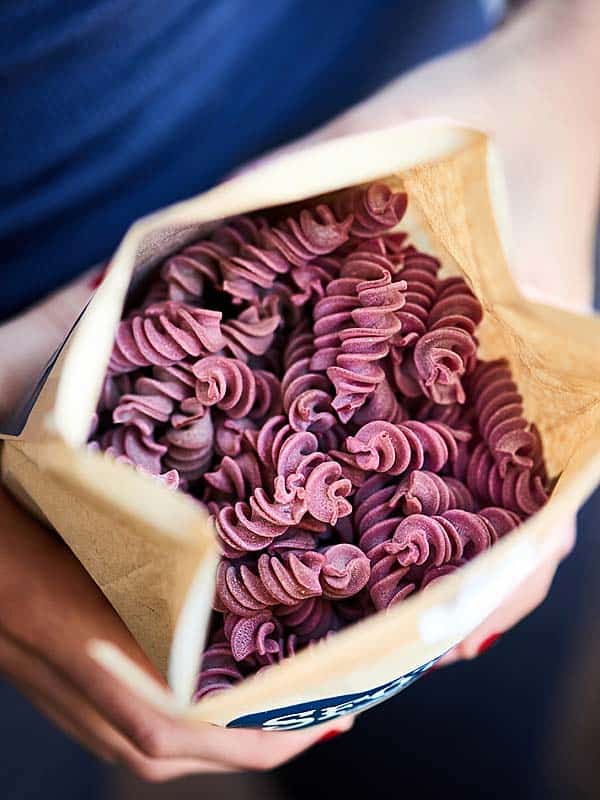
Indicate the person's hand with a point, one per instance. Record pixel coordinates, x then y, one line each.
28 340
533 87
50 610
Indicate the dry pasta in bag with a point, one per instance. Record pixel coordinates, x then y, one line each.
329 410
328 436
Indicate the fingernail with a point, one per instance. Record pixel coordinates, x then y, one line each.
331 734
487 643
97 279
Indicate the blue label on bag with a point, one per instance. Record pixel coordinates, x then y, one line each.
303 715
14 423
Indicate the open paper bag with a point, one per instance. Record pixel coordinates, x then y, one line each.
152 550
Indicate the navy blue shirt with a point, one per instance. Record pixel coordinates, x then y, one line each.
113 108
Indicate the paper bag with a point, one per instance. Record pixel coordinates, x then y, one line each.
152 550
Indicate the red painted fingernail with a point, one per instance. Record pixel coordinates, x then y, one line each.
489 642
329 735
97 279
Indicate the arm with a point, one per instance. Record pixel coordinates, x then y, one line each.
533 86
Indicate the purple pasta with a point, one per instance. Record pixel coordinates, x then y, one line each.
235 478
310 481
277 580
455 306
266 252
232 434
519 489
163 334
332 314
384 447
421 542
376 512
135 446
364 344
313 381
113 387
424 492
189 448
251 268
443 355
143 410
419 273
186 273
312 278
310 619
374 209
227 383
251 332
441 358
345 571
251 527
219 669
259 635
500 419
171 478
312 234
307 395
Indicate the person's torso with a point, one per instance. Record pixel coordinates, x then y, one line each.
116 107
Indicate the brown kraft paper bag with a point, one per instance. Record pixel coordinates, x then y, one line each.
152 550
